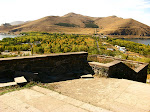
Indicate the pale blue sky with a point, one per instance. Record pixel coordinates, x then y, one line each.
24 10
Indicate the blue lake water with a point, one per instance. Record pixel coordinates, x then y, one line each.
4 36
142 41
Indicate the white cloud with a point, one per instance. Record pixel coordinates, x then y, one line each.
13 10
145 4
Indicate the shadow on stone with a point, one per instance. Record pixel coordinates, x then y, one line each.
5 80
7 76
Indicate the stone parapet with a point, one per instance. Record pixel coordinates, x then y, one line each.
52 66
118 69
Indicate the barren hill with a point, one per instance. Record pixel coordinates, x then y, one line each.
76 23
120 26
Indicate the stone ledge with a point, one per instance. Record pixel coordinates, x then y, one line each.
141 67
8 84
124 60
105 65
19 80
40 56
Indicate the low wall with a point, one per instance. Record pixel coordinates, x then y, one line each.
53 66
117 69
64 66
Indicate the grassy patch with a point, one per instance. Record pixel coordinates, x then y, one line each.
17 87
131 65
28 85
100 60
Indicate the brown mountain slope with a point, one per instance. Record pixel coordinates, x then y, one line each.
120 26
6 29
76 23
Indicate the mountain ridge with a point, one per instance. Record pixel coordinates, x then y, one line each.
77 23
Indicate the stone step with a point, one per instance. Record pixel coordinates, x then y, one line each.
19 80
87 76
8 84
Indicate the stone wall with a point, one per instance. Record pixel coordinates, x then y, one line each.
117 69
53 67
64 66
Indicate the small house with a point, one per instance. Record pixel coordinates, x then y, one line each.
123 49
111 49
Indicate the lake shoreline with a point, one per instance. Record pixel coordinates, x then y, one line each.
8 35
129 37
133 38
138 40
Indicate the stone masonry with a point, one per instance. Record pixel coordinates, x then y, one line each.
65 66
117 69
56 67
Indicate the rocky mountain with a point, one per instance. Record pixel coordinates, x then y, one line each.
77 23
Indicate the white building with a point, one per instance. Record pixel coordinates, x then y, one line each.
111 49
123 49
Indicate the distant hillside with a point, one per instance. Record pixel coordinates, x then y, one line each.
77 23
17 22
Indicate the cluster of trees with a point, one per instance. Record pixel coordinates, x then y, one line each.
66 24
91 25
43 42
87 25
49 43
